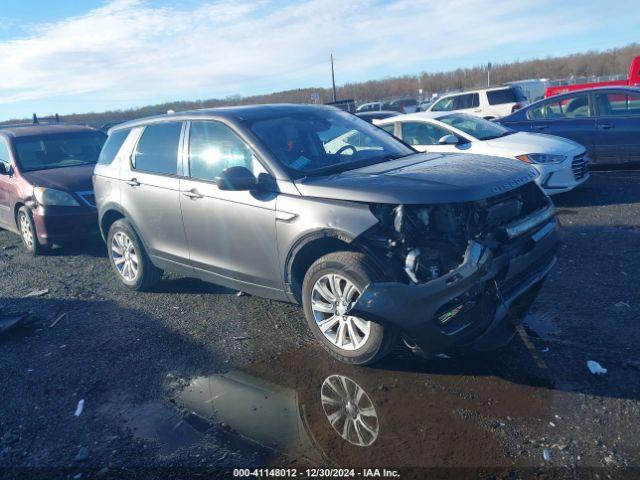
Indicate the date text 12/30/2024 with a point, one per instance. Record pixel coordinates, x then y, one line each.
364 473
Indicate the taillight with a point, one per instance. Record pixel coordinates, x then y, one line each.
516 106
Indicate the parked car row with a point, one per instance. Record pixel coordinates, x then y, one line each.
562 164
308 204
402 105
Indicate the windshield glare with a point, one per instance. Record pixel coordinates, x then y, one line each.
59 150
475 126
324 141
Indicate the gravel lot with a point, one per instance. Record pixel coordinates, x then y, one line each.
134 357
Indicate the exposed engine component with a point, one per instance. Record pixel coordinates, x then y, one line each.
422 243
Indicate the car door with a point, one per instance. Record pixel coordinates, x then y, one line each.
231 234
569 116
150 194
425 137
7 185
618 127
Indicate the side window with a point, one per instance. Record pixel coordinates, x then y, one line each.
389 128
618 104
112 146
468 100
576 106
5 157
418 133
214 147
444 105
157 150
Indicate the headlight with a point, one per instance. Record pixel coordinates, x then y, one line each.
48 196
541 158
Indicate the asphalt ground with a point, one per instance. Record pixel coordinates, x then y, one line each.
143 363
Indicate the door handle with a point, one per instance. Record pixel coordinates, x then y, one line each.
605 126
192 194
540 127
133 182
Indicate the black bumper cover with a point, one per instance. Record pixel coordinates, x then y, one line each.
476 306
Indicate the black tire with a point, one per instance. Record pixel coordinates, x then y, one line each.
358 269
147 274
24 220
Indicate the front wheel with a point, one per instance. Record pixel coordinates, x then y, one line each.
27 229
332 284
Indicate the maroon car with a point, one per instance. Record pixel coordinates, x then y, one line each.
46 191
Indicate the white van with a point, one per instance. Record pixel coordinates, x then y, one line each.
488 103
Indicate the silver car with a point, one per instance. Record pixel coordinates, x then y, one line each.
312 205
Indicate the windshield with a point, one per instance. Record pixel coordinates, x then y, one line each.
44 152
475 126
325 141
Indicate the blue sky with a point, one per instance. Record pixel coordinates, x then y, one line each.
92 55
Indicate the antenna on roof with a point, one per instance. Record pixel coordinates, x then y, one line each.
35 119
57 118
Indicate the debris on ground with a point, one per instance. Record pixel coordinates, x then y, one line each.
82 455
596 368
544 350
9 322
622 304
241 294
79 408
241 338
58 318
37 293
546 454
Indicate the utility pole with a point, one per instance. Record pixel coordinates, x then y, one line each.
333 80
489 74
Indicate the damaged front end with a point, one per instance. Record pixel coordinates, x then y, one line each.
462 274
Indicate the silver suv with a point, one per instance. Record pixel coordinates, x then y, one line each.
312 205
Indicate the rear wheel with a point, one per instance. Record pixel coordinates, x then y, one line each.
332 284
27 229
129 258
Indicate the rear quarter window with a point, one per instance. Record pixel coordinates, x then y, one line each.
499 97
112 146
157 149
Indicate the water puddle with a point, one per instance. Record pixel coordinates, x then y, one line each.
309 408
162 424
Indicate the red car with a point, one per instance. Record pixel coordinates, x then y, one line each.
46 191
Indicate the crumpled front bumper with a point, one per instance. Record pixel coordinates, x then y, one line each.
476 306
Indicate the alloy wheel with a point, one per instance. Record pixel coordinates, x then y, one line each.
331 298
124 256
26 231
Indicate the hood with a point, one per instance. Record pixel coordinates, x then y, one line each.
69 179
522 142
421 179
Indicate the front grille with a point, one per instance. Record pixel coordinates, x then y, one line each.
580 166
88 197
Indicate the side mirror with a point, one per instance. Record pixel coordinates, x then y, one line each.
236 178
3 168
448 140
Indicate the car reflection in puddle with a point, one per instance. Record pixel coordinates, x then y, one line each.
317 411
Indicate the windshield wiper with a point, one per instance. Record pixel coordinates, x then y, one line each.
343 167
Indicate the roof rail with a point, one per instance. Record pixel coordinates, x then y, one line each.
35 121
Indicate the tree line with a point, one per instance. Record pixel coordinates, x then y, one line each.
609 62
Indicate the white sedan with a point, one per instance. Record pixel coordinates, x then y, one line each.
562 164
